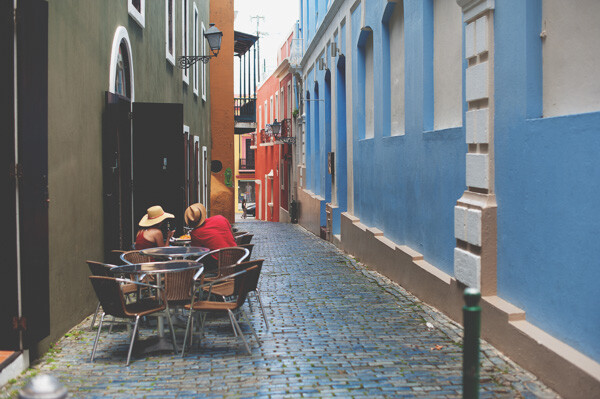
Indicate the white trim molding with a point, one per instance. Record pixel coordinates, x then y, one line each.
120 35
474 8
185 38
138 16
170 55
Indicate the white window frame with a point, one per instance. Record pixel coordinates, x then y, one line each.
259 117
271 113
276 105
170 56
203 52
196 18
138 16
185 38
199 169
289 98
204 166
282 112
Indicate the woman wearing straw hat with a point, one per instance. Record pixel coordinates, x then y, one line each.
212 233
152 225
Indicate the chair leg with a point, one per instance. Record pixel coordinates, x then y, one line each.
135 327
257 293
172 331
95 314
202 323
97 336
247 320
232 321
188 331
241 334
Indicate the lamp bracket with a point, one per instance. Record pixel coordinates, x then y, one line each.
184 62
286 140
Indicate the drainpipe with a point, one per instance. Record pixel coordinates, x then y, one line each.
16 149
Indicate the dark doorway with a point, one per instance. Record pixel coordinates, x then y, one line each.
116 164
27 176
159 155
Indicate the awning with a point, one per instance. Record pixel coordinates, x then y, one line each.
242 42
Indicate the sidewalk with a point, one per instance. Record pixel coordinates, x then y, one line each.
337 330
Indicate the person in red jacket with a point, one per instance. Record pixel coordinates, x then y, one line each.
152 225
212 233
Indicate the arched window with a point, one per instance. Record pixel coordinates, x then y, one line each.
121 66
123 83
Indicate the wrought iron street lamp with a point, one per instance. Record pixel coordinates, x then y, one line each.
213 35
276 129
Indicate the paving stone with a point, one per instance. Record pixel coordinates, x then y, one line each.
338 329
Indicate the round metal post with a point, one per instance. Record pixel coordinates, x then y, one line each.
472 330
43 386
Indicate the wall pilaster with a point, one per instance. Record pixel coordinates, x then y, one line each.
475 212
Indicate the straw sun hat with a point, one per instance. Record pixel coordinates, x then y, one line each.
154 216
195 215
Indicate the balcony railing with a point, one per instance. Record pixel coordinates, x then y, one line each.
245 109
286 135
246 164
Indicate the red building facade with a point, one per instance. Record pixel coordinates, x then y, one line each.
273 157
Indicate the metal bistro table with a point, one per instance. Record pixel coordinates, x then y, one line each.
177 252
158 268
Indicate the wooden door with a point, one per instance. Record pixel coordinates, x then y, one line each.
28 180
8 273
116 174
159 160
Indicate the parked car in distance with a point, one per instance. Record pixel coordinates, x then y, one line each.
251 209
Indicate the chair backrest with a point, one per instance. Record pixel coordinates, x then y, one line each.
99 268
178 285
251 283
116 256
230 256
134 257
249 247
244 239
239 233
243 282
108 291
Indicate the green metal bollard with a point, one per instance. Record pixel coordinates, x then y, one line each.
472 323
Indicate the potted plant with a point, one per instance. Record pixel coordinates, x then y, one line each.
295 113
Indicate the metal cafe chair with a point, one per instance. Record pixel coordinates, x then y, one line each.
249 247
227 289
243 239
98 269
225 257
109 293
243 280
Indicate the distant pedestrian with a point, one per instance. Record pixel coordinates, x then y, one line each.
244 209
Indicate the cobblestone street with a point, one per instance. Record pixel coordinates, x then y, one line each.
337 329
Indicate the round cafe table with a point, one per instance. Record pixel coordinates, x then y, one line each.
158 269
176 252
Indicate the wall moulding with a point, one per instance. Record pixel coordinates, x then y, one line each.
474 8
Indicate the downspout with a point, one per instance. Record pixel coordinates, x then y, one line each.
16 149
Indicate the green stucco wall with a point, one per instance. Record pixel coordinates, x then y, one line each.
80 37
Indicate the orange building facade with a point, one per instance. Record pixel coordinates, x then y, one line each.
222 113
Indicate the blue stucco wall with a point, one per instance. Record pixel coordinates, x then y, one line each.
547 175
546 172
406 185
